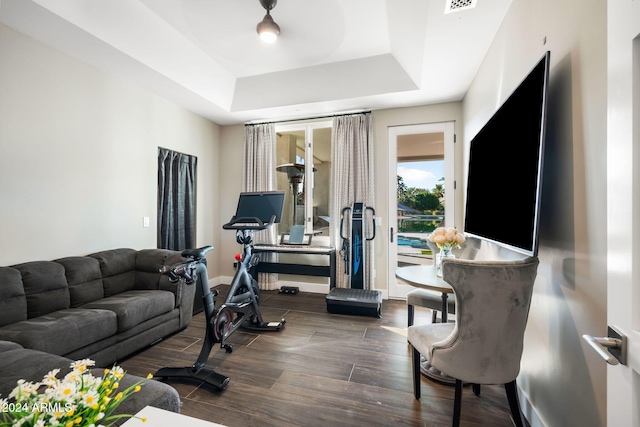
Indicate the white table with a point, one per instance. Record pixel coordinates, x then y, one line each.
162 418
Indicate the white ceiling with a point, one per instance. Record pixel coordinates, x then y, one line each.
332 55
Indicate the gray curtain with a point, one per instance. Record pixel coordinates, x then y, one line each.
176 200
259 175
352 176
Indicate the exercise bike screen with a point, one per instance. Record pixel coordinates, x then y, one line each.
261 205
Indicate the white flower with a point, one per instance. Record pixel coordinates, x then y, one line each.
82 365
64 391
50 379
117 372
24 389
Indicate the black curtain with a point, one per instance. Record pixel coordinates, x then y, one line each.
176 200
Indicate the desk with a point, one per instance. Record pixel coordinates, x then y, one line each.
424 276
301 269
161 418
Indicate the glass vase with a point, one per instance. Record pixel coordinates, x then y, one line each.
444 252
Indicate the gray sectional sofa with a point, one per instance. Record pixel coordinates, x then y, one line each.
104 307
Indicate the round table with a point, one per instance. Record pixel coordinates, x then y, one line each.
424 276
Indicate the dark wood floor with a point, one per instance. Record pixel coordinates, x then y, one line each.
321 370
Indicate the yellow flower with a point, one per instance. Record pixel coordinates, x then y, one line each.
137 389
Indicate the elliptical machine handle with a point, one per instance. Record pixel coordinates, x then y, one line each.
373 213
342 236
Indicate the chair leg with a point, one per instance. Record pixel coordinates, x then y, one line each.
457 403
434 316
514 405
410 315
416 372
476 389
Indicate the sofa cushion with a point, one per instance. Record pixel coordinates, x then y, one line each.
45 286
84 279
13 301
62 331
21 363
135 307
118 270
8 345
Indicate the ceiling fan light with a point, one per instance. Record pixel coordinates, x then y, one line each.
268 29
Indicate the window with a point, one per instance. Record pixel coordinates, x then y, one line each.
303 159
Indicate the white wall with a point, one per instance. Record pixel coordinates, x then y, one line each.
562 378
78 163
231 160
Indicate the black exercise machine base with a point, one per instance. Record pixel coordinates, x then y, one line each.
189 374
361 302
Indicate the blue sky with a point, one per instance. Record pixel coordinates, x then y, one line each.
421 174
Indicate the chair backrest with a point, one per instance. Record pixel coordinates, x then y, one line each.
492 306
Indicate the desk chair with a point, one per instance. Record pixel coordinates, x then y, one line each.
431 299
484 345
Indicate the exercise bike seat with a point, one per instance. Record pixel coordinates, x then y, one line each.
196 254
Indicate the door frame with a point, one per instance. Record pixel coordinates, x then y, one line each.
623 201
400 290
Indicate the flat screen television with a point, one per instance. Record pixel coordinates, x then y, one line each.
262 205
505 168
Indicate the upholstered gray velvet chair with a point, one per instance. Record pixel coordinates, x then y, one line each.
433 300
484 345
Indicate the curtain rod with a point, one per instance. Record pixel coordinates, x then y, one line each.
328 116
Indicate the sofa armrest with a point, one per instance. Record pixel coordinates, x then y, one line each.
184 293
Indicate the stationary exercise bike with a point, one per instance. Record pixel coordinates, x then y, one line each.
241 306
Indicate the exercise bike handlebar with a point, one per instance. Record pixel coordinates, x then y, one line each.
181 270
185 269
248 223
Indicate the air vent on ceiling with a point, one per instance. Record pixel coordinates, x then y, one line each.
458 5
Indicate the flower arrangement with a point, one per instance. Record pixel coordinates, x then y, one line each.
446 238
77 400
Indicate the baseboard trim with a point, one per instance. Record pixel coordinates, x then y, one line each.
528 410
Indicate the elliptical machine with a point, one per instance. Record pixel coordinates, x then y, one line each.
356 299
241 306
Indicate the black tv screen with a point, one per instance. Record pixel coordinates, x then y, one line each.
505 167
262 205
